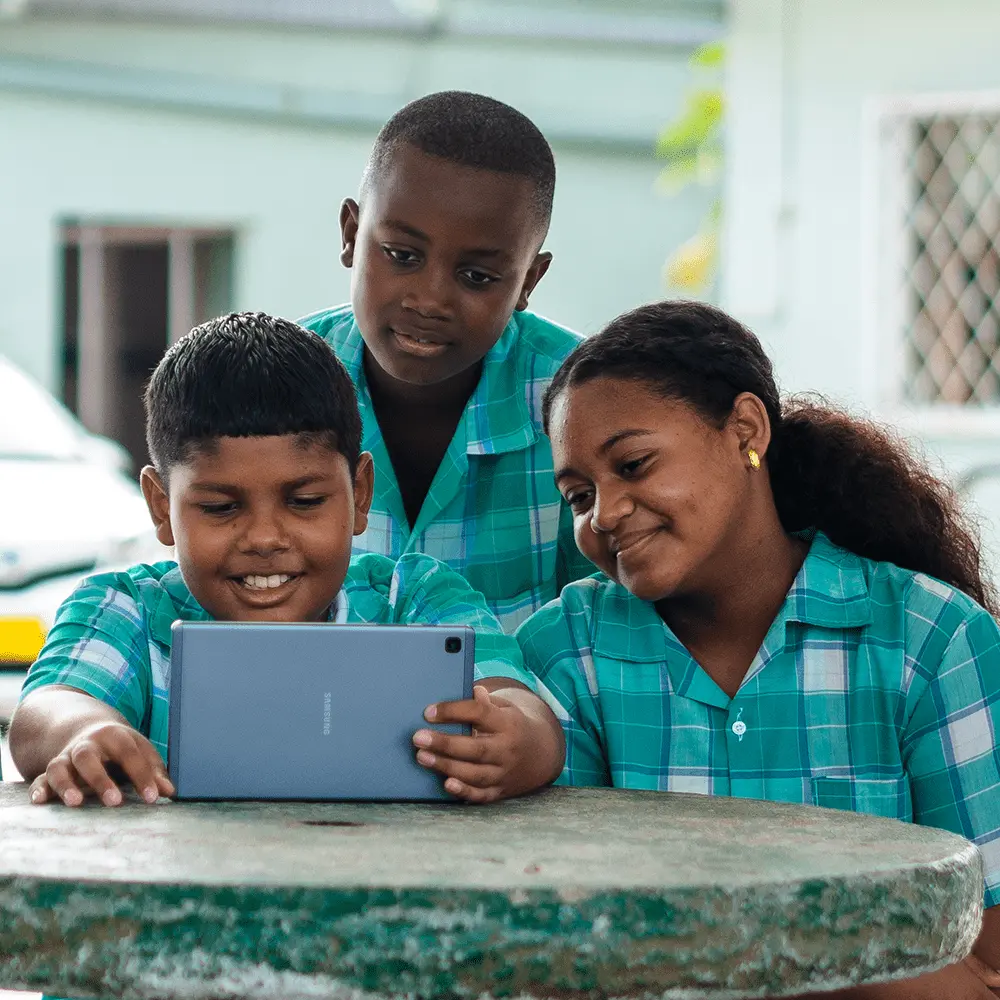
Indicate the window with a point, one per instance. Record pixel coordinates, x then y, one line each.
939 252
129 291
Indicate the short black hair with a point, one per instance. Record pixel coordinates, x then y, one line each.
248 375
474 131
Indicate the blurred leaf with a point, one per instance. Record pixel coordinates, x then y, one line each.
711 55
697 123
693 148
674 178
691 267
709 164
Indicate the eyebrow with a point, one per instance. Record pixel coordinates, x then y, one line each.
419 234
403 227
568 471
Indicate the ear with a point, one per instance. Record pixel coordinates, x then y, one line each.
364 485
349 216
535 274
751 424
158 502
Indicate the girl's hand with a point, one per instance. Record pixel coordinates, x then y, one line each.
506 755
84 766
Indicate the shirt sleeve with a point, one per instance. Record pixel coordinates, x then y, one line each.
425 591
99 645
571 563
556 650
950 747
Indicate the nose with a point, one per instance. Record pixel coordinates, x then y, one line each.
265 533
428 292
610 506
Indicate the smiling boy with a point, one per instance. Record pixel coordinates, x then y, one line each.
259 482
445 249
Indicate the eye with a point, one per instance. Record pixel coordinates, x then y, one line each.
632 467
477 279
400 255
306 503
579 500
220 509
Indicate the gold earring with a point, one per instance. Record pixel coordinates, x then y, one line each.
754 458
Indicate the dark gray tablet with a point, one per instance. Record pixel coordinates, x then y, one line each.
309 711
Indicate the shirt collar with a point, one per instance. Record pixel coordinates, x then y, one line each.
830 589
497 417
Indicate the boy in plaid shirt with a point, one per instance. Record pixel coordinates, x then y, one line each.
260 483
791 608
444 245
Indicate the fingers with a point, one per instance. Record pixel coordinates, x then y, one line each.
40 791
475 711
143 767
58 780
474 782
472 794
87 763
474 749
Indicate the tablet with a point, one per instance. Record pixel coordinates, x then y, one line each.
309 711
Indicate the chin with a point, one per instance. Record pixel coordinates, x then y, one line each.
647 589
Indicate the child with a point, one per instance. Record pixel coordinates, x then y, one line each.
792 608
260 483
444 246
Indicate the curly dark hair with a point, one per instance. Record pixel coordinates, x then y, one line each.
248 375
850 478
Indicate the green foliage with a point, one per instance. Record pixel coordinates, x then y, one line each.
692 147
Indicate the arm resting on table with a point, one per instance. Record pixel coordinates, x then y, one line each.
46 721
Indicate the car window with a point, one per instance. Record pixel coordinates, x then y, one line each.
32 423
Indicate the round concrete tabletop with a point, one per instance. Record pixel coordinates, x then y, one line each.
569 893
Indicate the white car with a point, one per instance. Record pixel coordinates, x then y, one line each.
67 508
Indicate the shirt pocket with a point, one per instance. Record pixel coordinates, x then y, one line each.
887 797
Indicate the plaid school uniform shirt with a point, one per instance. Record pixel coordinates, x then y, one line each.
493 512
111 638
876 690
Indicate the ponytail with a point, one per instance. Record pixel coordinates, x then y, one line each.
849 478
869 493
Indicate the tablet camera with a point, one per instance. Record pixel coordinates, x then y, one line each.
453 644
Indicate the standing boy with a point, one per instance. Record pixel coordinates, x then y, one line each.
444 244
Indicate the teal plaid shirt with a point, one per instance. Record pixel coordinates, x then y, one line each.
876 690
493 512
111 638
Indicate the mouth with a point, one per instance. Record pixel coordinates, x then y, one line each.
264 591
631 545
418 343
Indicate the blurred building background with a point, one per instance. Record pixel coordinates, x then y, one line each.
862 213
165 160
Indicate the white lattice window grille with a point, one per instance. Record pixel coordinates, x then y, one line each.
939 250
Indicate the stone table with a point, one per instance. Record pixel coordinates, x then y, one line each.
569 893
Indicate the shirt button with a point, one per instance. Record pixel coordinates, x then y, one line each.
739 728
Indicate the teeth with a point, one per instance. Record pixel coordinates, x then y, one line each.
265 582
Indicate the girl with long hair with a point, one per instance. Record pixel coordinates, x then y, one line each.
791 606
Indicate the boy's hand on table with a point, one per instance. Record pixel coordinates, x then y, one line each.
516 746
83 767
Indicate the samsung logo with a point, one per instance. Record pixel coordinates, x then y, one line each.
327 711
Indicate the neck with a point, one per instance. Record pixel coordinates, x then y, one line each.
726 619
436 398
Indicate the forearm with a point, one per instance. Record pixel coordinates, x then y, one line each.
547 735
47 720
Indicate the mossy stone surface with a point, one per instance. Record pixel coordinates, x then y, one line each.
569 893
